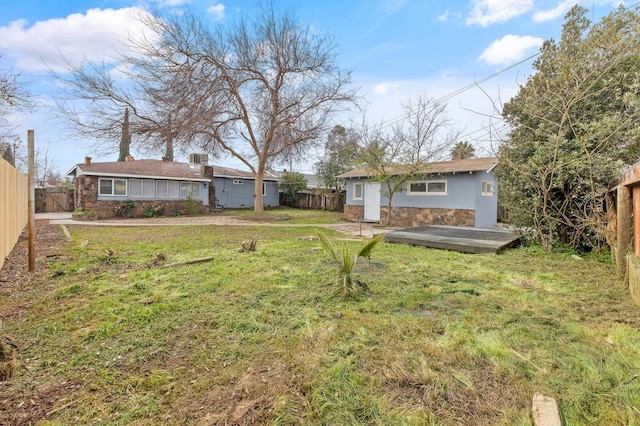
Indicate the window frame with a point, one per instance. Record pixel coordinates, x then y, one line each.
492 187
355 197
113 187
189 193
238 182
144 183
426 187
166 182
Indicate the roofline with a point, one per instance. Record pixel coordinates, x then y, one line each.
133 175
275 179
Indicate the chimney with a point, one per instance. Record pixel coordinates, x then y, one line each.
87 161
129 158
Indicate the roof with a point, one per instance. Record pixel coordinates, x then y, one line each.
155 169
452 166
220 171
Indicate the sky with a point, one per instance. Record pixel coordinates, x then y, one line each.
473 54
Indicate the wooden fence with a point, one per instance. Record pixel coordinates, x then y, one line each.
14 207
54 200
318 200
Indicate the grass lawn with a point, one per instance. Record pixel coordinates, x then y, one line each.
286 215
264 337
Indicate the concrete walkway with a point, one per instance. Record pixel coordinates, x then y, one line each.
352 229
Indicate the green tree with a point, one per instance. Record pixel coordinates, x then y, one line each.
339 157
574 128
291 183
463 151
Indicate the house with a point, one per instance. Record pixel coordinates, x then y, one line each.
457 193
104 187
234 189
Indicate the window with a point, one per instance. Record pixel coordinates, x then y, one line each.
357 190
142 188
112 187
264 188
429 187
167 189
487 188
237 182
189 189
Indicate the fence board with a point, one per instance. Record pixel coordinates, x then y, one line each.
14 207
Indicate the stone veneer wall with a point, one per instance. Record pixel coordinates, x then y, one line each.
353 213
86 198
415 216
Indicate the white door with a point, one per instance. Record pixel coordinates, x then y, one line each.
372 201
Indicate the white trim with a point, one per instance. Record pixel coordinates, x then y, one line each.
238 182
113 188
426 187
492 190
353 196
134 176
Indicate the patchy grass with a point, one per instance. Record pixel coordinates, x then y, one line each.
265 337
286 215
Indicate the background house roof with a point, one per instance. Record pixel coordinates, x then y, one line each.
453 166
220 171
159 169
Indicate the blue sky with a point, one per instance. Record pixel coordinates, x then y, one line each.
396 50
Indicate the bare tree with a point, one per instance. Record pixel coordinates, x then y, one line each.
257 89
398 156
14 97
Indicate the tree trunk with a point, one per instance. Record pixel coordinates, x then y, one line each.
168 155
258 199
125 140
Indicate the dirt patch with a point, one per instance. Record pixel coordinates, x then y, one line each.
17 296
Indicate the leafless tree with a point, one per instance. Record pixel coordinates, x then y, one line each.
14 97
256 89
398 155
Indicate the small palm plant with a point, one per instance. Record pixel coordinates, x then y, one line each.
346 261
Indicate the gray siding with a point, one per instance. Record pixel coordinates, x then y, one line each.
204 193
486 205
349 192
464 191
240 195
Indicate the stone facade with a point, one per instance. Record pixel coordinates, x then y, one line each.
353 213
415 216
86 198
418 216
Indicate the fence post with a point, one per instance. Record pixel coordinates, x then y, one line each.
625 227
32 208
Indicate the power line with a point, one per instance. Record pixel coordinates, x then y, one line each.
467 87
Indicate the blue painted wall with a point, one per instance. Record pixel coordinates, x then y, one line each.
464 191
240 195
349 196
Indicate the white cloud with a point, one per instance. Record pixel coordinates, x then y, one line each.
386 88
93 36
444 17
557 12
509 49
217 10
487 12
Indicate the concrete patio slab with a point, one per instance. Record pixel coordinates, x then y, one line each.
465 240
